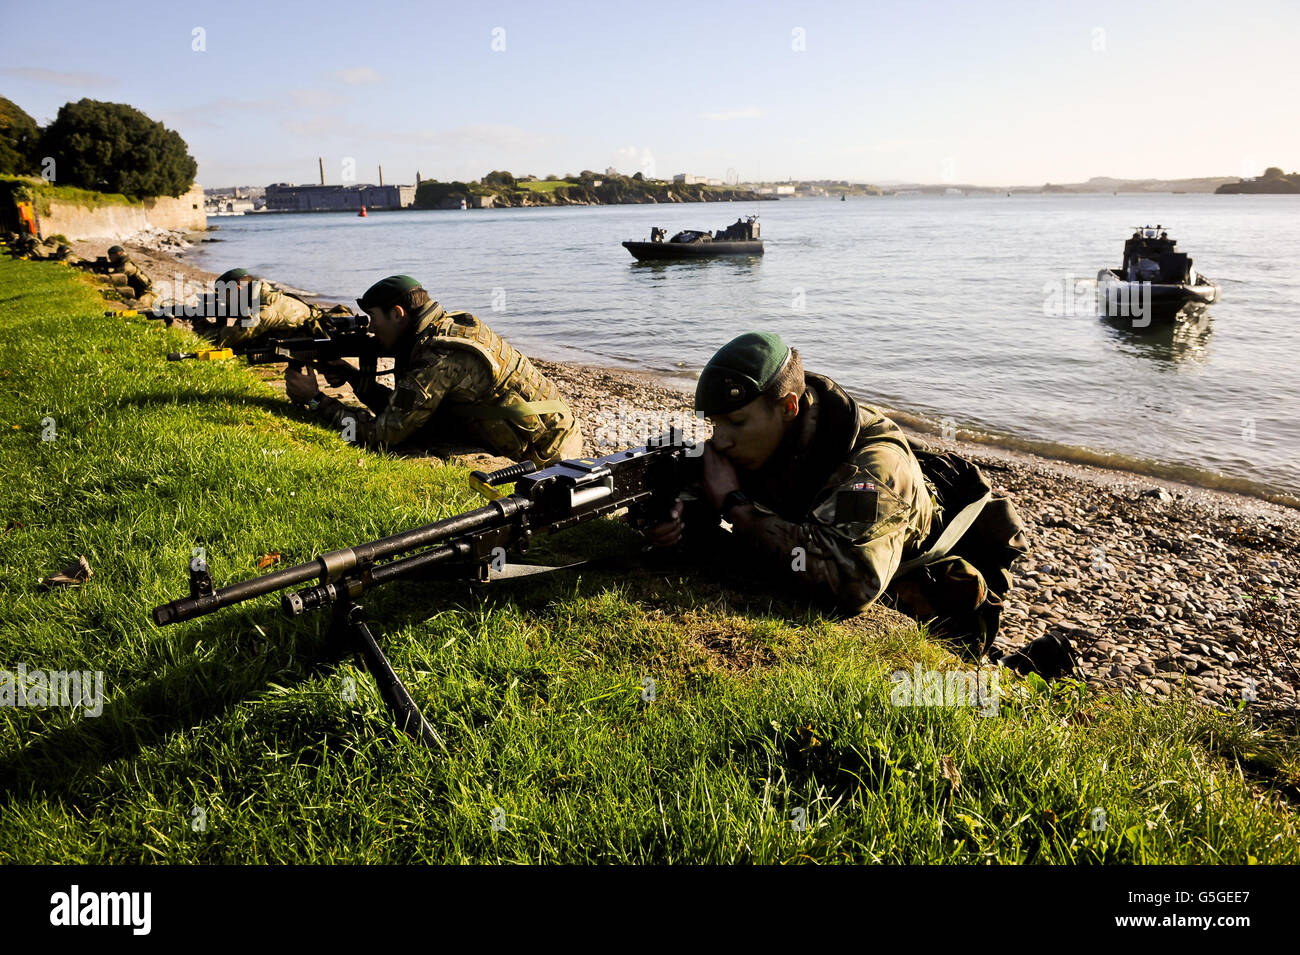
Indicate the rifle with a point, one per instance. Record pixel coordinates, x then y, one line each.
345 336
212 311
208 312
303 350
166 315
473 546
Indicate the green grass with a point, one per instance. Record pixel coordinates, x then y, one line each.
233 738
543 186
42 193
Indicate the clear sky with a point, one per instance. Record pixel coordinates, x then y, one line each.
997 93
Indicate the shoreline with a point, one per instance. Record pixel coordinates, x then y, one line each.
1079 462
919 422
1005 444
1162 585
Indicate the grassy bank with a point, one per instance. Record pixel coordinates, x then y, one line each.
41 194
233 738
544 185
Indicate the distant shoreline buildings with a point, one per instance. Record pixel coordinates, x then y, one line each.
501 190
284 197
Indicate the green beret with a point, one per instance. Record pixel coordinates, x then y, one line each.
387 292
739 372
115 249
234 275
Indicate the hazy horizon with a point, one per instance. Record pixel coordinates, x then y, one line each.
1011 94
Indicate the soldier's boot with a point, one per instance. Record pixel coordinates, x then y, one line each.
1051 656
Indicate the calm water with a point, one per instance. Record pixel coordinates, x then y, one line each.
951 309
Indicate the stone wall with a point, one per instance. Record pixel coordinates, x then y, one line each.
184 213
117 222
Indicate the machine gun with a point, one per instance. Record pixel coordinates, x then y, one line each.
645 481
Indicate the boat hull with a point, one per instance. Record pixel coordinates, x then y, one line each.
1115 293
656 251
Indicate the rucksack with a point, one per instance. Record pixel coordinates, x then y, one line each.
958 581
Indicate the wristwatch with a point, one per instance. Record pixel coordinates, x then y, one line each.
315 402
736 498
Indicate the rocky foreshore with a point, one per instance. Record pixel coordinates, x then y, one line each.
1162 587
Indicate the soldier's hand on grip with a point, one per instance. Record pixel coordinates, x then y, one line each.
670 532
300 386
337 371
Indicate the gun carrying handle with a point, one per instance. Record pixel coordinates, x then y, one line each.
486 482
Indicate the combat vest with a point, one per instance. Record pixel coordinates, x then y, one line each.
956 577
525 416
801 473
958 581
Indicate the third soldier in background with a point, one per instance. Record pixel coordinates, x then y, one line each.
245 308
122 271
457 380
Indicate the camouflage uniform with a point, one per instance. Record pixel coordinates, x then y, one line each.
128 273
31 246
279 315
65 254
845 488
456 378
34 247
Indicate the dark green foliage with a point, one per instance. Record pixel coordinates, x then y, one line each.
430 193
588 187
575 193
18 138
112 147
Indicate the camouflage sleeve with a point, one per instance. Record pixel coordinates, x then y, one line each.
276 316
417 396
851 544
372 394
139 282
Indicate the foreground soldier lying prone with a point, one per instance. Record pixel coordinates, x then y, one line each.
828 496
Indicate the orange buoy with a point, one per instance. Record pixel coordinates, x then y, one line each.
363 211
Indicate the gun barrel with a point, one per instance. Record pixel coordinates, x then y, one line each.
313 598
330 566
